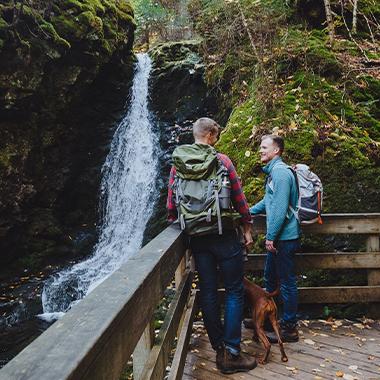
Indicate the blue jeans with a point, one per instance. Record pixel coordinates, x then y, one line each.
224 252
280 267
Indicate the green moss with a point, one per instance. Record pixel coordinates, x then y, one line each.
93 6
370 8
3 25
93 22
70 28
6 155
323 129
50 30
309 48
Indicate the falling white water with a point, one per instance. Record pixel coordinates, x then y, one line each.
127 190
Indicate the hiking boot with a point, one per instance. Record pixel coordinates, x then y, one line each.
228 363
289 334
219 355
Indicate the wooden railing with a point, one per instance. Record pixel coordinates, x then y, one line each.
364 224
96 338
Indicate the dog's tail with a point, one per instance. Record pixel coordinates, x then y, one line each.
274 293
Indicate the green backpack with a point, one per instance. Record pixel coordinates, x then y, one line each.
202 191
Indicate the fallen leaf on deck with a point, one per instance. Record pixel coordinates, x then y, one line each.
359 326
339 374
353 367
316 370
309 341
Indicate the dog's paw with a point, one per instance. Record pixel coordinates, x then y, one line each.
261 360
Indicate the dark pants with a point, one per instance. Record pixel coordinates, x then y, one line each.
225 252
280 267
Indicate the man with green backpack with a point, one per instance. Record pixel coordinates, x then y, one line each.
206 197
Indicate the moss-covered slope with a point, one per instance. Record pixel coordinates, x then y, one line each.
288 80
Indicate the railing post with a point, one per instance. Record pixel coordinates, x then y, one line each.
373 275
180 271
142 350
179 274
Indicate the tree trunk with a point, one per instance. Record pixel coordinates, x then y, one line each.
355 17
329 19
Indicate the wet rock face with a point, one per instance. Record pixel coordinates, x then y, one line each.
65 72
179 96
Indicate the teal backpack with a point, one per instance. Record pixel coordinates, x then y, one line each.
202 191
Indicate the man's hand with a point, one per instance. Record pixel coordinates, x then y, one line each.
269 245
248 241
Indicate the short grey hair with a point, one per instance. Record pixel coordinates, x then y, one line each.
205 125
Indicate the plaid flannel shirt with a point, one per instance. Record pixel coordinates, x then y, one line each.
237 196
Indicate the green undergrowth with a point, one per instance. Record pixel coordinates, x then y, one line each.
324 128
293 83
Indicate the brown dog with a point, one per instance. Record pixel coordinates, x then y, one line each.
263 306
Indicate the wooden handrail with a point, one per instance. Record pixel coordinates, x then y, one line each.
95 339
368 223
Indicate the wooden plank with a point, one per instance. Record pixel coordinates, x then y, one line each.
333 224
305 357
333 294
142 351
373 276
329 260
96 337
336 294
204 368
159 357
180 272
275 368
178 363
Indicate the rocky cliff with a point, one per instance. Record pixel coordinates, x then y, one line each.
65 70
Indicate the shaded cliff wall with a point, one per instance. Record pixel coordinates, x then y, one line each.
65 71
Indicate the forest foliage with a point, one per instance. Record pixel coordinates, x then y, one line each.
273 65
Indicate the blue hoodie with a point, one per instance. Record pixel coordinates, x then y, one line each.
280 191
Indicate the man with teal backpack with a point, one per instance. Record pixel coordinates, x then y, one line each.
283 232
206 197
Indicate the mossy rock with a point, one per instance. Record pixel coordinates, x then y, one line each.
93 6
309 116
303 47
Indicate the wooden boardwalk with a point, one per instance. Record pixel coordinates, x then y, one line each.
339 349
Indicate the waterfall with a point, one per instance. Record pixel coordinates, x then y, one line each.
128 188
